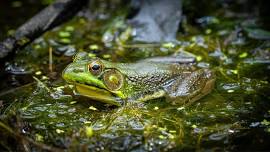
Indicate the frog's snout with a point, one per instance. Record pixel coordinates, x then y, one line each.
71 71
66 71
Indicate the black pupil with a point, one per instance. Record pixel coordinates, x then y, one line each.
96 67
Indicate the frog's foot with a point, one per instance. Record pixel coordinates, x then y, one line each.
209 85
191 89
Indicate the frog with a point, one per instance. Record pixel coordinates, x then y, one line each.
178 81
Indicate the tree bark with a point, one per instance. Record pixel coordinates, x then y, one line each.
53 15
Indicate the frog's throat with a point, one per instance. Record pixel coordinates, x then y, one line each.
98 94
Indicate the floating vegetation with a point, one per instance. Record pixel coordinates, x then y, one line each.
39 111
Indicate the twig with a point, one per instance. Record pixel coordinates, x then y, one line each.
15 89
29 140
50 60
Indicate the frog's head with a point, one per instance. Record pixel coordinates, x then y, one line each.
95 78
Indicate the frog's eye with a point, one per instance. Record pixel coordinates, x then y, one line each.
113 79
95 67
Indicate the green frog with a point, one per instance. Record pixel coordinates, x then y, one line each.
177 80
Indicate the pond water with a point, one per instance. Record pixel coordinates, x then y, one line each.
38 109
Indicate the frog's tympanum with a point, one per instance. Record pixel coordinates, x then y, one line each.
116 83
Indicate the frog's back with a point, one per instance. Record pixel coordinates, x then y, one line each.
149 76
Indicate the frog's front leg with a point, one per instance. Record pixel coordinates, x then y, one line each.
191 88
154 95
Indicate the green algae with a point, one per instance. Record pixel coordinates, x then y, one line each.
47 112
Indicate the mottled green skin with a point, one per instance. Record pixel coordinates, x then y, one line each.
145 80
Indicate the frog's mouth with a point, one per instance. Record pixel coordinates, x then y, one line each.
97 94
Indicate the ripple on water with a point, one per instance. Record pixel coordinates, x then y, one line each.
72 110
40 127
62 106
29 115
109 136
98 126
230 86
39 108
82 119
61 124
197 130
217 136
136 125
52 115
61 112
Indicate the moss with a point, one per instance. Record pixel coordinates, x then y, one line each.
56 117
